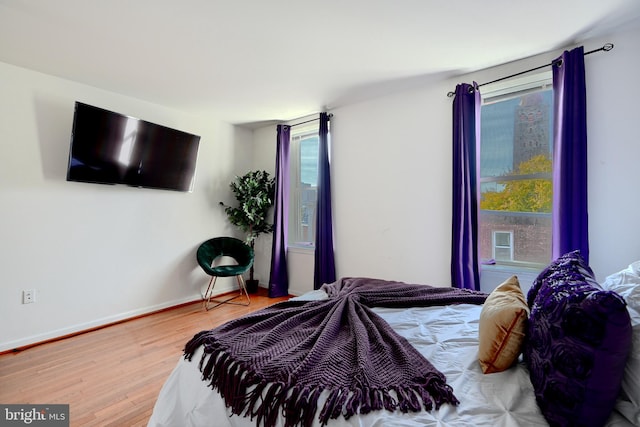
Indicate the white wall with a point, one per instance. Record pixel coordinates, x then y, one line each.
391 179
614 155
94 253
391 172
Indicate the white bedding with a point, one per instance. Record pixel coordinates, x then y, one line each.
446 336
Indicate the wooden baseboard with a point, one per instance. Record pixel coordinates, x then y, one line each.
96 328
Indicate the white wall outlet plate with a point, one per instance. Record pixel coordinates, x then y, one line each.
28 296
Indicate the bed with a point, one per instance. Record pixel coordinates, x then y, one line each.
448 336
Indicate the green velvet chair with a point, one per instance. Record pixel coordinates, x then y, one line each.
208 256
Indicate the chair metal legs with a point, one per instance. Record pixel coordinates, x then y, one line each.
207 301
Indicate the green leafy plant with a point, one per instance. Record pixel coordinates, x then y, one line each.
254 193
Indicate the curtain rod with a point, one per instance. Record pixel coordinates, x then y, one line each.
309 121
606 48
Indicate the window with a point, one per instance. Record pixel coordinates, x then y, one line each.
303 195
502 247
515 173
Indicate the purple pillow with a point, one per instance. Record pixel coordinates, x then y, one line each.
578 341
565 264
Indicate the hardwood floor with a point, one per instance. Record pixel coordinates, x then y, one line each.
112 376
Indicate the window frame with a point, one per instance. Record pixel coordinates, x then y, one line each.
495 245
497 92
297 135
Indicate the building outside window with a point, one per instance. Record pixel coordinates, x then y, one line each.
303 194
515 173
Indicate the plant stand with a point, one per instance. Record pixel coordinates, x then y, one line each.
252 286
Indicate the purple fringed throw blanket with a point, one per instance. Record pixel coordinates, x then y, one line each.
281 358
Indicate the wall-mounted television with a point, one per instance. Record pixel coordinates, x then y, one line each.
112 148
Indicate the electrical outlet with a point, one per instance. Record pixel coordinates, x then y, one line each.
28 296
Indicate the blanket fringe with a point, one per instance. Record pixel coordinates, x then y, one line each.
300 406
435 390
404 399
247 395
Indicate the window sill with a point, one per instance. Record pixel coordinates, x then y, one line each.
493 275
299 249
512 268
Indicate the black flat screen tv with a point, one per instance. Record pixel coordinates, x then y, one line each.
112 148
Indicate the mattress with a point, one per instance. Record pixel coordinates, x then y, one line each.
446 336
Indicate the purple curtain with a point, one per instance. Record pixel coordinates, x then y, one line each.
465 272
279 279
324 269
570 223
